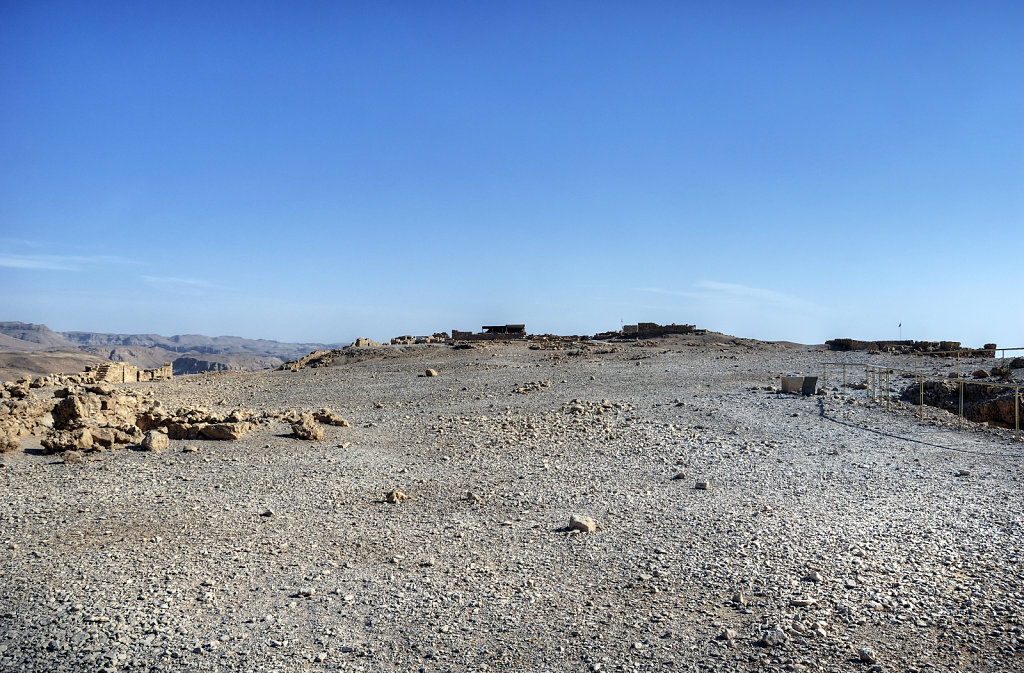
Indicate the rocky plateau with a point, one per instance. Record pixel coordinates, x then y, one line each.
647 505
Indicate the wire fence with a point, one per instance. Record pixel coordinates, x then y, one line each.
876 376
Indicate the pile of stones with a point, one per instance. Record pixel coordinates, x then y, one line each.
99 417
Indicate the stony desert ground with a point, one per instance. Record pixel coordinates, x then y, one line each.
832 534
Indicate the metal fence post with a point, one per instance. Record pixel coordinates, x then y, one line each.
844 379
961 420
920 403
888 391
1016 413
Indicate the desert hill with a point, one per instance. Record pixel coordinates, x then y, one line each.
193 343
33 350
34 337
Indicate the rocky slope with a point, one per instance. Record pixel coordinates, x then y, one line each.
54 352
733 529
35 337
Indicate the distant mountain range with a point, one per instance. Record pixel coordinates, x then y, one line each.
28 349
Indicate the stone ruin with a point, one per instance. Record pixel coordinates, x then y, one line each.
122 372
97 417
408 339
995 405
508 332
907 347
105 372
648 330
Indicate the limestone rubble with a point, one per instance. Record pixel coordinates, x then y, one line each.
100 416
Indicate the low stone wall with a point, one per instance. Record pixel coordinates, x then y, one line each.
938 348
122 372
487 336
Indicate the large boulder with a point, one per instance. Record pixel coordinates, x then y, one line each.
9 444
227 431
103 437
68 440
307 428
156 441
328 417
180 430
76 409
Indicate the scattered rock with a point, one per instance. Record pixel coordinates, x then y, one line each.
583 524
867 655
679 475
73 457
395 497
728 634
704 485
155 441
307 428
430 372
68 440
773 638
227 431
963 473
267 513
9 444
328 417
473 497
103 438
190 448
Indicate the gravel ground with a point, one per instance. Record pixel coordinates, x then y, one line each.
833 534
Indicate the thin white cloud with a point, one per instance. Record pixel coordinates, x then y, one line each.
35 262
11 242
58 262
755 293
674 293
182 284
710 290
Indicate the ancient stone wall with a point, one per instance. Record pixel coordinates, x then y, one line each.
122 372
487 336
653 329
940 348
435 338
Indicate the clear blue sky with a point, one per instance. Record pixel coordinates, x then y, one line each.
326 170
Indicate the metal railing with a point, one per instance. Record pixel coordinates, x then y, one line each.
873 376
968 352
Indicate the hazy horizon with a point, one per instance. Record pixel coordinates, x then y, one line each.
320 172
386 338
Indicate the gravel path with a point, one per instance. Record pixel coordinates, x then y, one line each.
832 535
